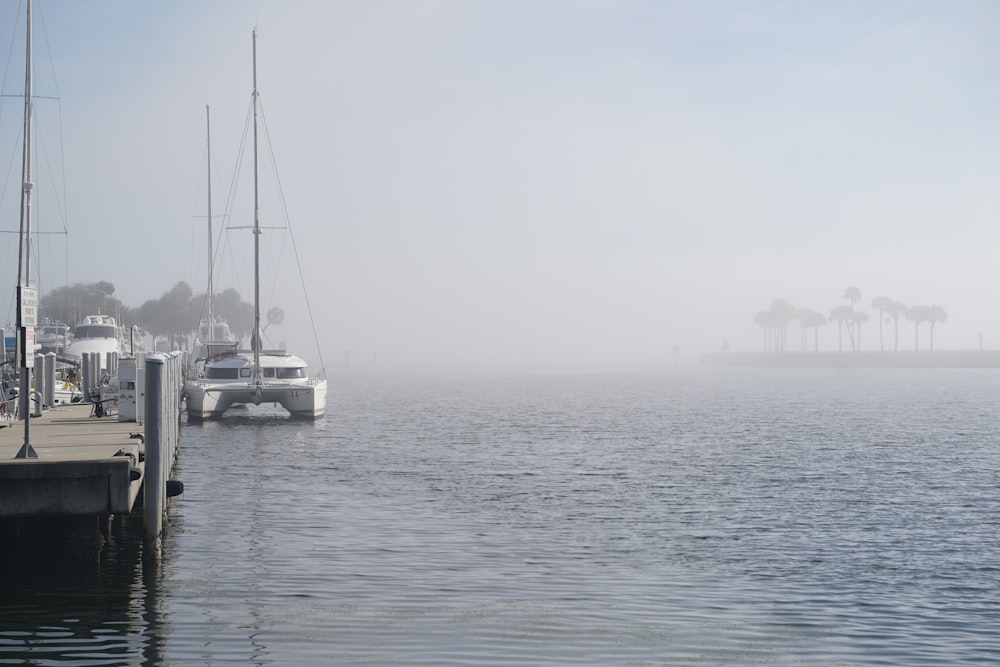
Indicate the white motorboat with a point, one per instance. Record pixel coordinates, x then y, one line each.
102 334
95 333
232 377
52 337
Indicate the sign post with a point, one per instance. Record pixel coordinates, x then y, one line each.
27 319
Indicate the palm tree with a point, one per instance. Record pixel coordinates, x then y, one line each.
917 315
775 323
765 320
852 294
841 314
799 315
784 312
806 318
896 309
883 304
857 319
811 318
936 314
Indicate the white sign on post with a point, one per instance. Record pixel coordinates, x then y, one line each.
29 347
27 301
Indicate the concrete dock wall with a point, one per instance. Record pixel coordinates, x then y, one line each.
88 469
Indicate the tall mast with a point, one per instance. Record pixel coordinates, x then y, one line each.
24 254
256 231
24 250
211 287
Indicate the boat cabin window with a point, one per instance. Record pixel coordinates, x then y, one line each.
245 372
269 372
213 373
289 373
95 331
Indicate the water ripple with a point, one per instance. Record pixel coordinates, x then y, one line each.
787 518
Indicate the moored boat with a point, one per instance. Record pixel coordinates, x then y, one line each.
232 377
53 337
95 334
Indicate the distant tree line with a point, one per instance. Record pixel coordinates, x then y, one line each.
71 303
775 322
175 315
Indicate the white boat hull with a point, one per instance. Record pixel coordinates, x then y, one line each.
101 346
210 400
66 394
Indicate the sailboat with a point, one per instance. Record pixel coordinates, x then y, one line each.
214 335
235 377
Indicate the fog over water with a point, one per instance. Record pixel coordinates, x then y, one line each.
526 185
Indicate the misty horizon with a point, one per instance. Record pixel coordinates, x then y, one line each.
515 186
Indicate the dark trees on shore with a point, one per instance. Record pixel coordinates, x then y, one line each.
71 303
175 314
775 320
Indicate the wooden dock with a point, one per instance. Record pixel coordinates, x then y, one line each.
86 465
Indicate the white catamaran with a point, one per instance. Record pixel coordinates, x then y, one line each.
233 377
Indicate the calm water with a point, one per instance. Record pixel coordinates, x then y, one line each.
697 517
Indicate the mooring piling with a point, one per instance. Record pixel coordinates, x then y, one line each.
162 409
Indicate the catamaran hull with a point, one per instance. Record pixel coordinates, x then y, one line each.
209 401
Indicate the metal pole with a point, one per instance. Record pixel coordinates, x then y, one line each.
257 342
24 257
211 285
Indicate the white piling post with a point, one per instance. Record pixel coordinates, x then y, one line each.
36 391
155 485
50 379
85 375
176 365
91 373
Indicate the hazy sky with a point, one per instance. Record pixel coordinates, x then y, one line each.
538 185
